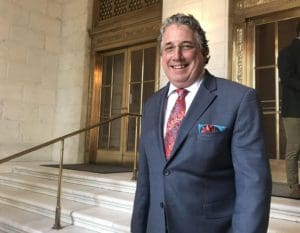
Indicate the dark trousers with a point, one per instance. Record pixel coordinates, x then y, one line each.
292 152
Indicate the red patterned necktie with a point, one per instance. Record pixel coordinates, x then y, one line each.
174 121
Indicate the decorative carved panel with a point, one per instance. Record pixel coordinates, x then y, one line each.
239 52
110 8
126 36
105 10
243 4
118 23
251 8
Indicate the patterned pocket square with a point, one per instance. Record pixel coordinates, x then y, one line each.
207 128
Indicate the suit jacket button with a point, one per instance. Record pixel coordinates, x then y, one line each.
161 205
167 172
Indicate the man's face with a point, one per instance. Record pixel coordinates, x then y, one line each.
181 57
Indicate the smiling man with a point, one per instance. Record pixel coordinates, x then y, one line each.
202 161
182 60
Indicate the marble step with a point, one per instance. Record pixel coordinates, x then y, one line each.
15 220
121 201
90 217
285 209
283 226
114 181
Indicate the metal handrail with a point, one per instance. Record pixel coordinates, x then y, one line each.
42 145
57 224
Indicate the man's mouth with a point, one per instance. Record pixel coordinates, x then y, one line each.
179 66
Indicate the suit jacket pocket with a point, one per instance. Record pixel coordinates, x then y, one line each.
219 209
211 136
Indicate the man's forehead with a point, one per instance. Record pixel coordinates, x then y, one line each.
177 29
179 42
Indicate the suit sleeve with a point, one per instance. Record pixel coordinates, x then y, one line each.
251 166
141 200
287 70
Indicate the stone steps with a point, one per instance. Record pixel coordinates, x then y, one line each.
285 209
113 181
14 219
121 201
91 202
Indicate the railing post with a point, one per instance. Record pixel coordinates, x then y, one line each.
134 172
57 224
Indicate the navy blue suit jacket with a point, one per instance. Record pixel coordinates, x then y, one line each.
214 182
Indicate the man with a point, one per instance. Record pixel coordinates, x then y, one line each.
289 73
215 178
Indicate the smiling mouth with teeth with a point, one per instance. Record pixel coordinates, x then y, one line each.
179 66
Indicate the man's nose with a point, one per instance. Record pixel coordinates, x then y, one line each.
177 53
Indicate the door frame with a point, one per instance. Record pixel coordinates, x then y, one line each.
251 23
242 51
122 156
114 156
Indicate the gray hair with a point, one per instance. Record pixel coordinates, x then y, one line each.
194 25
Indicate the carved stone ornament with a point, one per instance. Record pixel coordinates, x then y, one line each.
118 23
239 54
243 4
110 8
126 36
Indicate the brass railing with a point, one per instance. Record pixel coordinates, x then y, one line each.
57 224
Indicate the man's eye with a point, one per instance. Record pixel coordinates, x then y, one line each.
169 48
187 47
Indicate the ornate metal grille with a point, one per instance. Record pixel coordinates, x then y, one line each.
135 5
105 9
120 7
151 2
110 8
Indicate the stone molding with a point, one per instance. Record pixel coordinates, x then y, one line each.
137 24
250 8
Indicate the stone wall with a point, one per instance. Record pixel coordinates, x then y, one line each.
44 62
213 17
73 77
30 35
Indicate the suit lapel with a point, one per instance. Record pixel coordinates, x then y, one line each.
200 104
159 121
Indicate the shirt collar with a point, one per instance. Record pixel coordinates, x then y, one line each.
192 88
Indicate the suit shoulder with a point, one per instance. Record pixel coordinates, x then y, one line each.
227 89
215 82
234 91
157 94
232 85
156 97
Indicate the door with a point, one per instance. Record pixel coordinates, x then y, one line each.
269 35
129 77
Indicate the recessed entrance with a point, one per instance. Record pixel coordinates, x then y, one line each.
128 79
268 35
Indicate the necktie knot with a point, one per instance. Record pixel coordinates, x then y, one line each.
182 93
